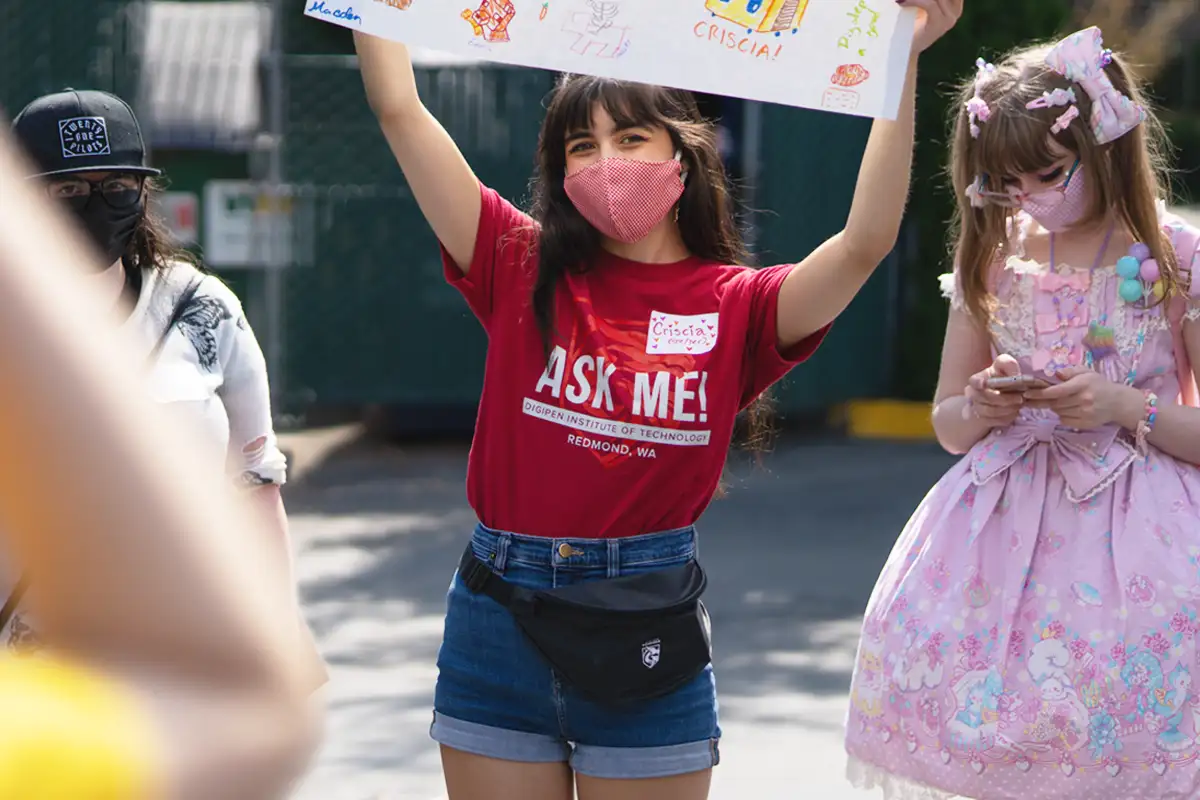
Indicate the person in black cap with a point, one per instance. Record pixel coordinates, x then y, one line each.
88 143
203 358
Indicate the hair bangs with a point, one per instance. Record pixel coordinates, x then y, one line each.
629 104
1015 141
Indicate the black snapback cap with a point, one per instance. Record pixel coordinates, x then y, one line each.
81 131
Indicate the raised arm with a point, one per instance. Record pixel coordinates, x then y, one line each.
820 287
442 182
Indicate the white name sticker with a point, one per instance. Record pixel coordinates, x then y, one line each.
673 334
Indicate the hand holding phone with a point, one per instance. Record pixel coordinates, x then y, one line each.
1015 383
995 395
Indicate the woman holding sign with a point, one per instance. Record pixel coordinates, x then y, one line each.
625 339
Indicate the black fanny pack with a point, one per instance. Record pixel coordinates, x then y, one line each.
619 640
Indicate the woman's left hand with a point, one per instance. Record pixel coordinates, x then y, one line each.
1086 399
936 17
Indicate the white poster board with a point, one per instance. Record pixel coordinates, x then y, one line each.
246 227
847 56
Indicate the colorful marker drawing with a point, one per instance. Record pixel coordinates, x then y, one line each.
865 23
760 16
845 56
490 21
603 14
849 75
843 100
596 30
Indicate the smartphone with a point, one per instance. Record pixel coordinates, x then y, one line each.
1016 383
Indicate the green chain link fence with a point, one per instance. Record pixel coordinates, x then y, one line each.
379 323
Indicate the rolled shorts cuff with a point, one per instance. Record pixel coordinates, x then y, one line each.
506 745
613 763
633 763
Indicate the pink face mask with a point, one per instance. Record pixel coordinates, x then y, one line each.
625 199
1060 207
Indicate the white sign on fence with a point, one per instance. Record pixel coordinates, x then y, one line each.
847 56
180 212
245 226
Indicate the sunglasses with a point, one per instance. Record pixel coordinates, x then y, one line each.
118 191
1048 198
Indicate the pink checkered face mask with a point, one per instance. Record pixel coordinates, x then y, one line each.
625 199
1055 209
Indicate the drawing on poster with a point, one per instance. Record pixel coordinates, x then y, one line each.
851 60
849 75
761 16
865 22
751 27
597 30
836 99
490 21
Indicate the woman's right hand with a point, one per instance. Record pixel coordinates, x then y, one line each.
988 405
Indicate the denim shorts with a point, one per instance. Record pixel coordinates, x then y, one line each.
498 697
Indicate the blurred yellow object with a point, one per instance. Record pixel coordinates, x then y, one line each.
897 420
70 734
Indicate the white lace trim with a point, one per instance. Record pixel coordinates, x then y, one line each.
948 285
868 776
1013 324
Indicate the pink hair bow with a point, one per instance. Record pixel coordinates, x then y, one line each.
1081 58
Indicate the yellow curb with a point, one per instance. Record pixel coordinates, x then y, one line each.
885 419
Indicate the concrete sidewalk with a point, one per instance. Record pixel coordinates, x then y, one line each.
792 553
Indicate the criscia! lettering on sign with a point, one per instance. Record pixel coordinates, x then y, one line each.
347 14
737 41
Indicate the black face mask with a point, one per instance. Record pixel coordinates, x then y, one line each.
110 228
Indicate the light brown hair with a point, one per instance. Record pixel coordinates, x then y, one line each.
1126 177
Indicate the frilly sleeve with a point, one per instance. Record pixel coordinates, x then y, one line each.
1184 238
1193 306
951 289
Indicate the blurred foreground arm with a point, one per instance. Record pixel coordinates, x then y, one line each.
144 567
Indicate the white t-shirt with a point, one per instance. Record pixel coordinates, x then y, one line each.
211 371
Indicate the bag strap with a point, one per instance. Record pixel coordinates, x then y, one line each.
14 600
477 577
181 306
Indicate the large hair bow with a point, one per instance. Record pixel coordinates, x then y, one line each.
1081 58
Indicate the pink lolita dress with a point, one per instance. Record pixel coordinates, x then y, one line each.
1034 632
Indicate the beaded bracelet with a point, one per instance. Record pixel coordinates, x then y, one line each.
1146 424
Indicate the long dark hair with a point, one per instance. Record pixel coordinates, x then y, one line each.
567 243
151 246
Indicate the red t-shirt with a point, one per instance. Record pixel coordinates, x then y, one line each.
625 429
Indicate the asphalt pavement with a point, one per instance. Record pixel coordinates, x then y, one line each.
792 554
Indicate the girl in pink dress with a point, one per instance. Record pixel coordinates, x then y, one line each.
1034 632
